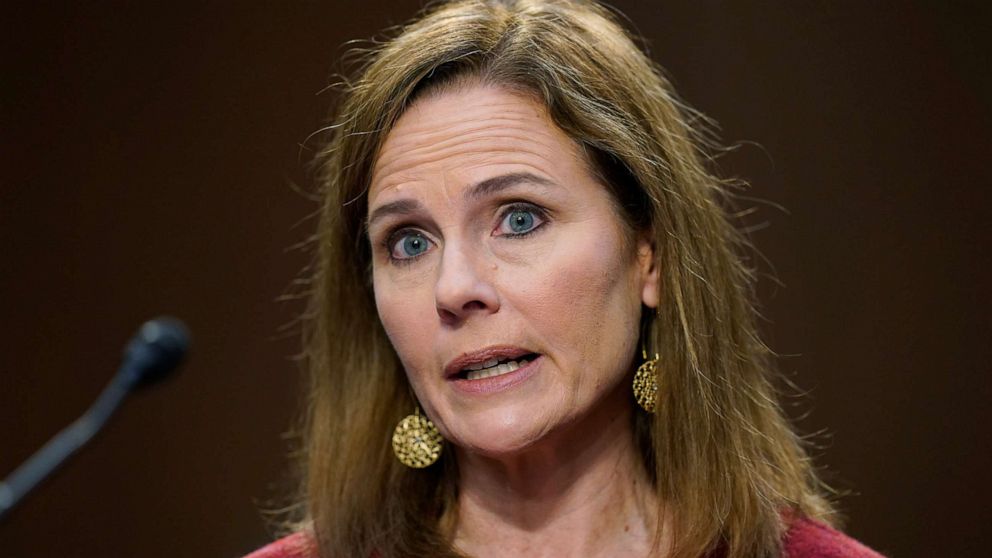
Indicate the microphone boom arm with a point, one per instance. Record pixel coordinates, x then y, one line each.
157 349
62 446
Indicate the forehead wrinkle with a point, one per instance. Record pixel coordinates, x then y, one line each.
520 149
463 122
433 138
439 141
476 164
473 136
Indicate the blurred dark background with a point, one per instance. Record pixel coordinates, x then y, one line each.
149 153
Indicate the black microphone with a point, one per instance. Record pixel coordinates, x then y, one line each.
155 351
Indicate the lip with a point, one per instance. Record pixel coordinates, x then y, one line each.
499 352
494 384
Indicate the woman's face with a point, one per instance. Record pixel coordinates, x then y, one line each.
501 271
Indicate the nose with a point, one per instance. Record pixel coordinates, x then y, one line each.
464 287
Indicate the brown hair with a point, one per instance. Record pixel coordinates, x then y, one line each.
721 454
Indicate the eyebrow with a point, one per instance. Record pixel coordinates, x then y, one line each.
481 189
499 183
400 207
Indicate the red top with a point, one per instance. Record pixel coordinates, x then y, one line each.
296 545
811 539
806 538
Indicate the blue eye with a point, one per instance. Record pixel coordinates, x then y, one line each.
520 221
409 245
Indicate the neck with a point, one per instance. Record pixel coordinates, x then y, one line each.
582 491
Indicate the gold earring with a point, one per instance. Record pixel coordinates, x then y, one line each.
646 382
416 441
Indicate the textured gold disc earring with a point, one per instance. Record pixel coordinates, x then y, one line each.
646 382
416 441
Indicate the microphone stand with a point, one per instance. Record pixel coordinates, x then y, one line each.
156 350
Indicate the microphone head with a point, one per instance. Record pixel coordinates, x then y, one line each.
155 351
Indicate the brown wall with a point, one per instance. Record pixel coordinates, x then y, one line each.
148 154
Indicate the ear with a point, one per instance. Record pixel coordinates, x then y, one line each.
649 273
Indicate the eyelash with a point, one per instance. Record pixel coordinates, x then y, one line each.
539 212
396 235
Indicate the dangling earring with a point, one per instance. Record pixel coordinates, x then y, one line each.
646 382
416 441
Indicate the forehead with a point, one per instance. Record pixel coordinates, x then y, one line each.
464 133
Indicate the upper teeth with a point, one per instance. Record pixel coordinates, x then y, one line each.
487 364
492 367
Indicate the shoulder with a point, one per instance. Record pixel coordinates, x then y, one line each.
297 545
808 538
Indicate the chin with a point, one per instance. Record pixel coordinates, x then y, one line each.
498 434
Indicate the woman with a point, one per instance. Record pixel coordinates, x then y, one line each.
531 331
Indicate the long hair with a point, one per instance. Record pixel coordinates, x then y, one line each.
723 458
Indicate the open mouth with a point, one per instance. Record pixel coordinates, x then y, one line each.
495 367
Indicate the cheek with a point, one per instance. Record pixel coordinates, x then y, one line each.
402 318
580 296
